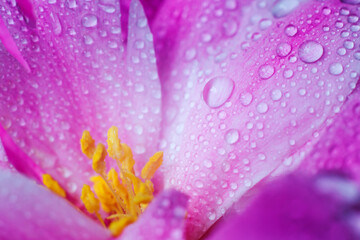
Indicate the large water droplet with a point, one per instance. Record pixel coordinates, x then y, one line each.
310 51
283 49
217 91
266 71
89 20
336 68
284 7
232 136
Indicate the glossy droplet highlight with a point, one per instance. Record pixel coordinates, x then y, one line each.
232 136
89 20
266 71
217 91
310 51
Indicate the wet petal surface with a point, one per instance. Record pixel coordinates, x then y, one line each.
248 87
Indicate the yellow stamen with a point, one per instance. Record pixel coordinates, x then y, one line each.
91 203
121 194
87 144
98 158
114 147
53 185
152 165
117 227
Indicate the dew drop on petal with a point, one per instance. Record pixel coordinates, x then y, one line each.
284 7
310 51
262 108
89 20
276 94
291 30
217 91
336 68
232 136
283 49
266 71
357 55
246 98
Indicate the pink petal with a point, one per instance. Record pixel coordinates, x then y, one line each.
4 162
163 219
267 103
19 159
82 78
296 208
10 45
339 147
29 211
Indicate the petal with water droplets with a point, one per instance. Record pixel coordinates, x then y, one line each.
288 77
82 79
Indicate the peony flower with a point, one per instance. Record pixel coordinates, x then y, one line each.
239 92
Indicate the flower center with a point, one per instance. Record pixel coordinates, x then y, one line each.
122 194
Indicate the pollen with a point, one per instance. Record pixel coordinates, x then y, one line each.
122 195
53 185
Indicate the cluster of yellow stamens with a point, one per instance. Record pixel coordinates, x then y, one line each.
123 195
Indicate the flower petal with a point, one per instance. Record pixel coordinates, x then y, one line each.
29 211
296 207
83 78
163 219
245 87
339 147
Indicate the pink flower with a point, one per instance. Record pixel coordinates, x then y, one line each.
238 91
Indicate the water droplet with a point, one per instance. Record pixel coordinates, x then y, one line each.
88 40
310 51
283 49
291 30
276 94
341 51
230 27
265 23
212 216
284 7
288 73
199 184
336 68
357 55
89 20
246 98
349 44
107 8
190 54
262 107
141 22
266 71
57 28
232 136
217 91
